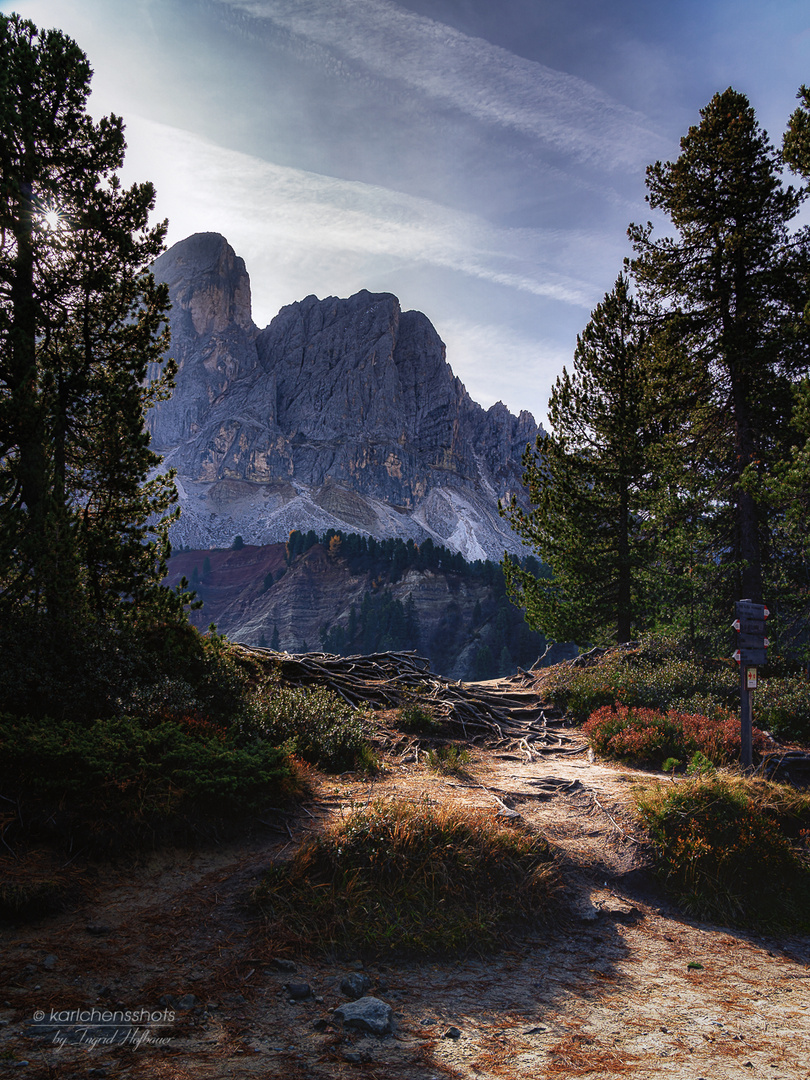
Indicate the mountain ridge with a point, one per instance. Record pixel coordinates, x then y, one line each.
341 413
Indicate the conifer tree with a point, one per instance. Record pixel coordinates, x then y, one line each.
82 527
796 143
584 480
727 291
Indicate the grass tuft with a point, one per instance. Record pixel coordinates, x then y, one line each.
419 720
732 849
411 878
452 760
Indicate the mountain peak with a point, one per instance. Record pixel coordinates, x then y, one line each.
341 413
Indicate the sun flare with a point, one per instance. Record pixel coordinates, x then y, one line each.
52 220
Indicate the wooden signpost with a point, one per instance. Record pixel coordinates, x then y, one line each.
750 654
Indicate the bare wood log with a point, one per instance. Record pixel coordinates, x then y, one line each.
396 679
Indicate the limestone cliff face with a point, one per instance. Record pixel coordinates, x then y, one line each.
213 336
341 413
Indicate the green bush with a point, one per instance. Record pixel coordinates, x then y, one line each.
316 725
656 675
404 877
419 720
448 759
783 707
100 671
649 736
732 849
134 779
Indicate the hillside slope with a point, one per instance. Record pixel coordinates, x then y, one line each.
339 596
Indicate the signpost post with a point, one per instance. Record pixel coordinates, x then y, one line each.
750 654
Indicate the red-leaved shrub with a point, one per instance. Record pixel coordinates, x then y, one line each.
651 736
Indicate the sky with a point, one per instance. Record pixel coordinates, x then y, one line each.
480 159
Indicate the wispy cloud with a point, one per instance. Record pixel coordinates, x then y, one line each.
480 79
308 223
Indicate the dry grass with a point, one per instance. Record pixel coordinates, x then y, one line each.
732 848
499 1054
580 1055
399 876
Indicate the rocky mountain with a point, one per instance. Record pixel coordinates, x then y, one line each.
343 596
342 413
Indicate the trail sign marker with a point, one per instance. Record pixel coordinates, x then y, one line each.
751 653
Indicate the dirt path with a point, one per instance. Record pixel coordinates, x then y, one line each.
628 988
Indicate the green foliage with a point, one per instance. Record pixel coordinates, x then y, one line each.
700 765
128 779
584 481
732 850
675 477
316 725
782 706
83 519
449 759
650 737
796 144
726 293
657 675
98 670
417 719
397 877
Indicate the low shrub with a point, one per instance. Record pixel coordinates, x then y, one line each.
664 676
783 707
102 671
316 725
656 675
419 720
128 779
732 849
404 877
649 736
448 759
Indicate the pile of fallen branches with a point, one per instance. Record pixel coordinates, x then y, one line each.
395 680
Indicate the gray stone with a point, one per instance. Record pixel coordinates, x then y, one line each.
98 929
283 965
452 1033
299 991
50 961
188 1001
366 1014
355 984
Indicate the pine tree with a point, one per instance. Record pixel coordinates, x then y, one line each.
796 143
728 291
584 481
81 321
